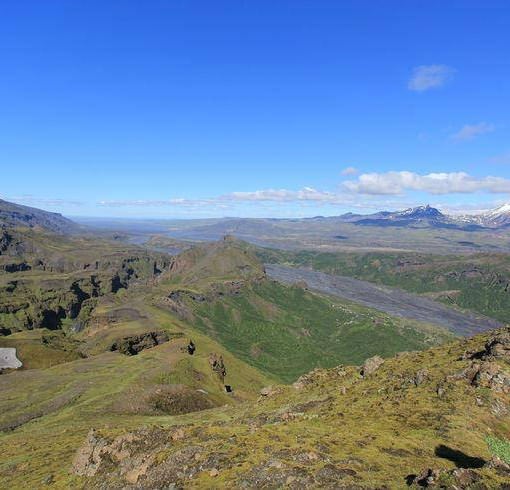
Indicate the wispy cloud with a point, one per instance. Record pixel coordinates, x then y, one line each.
350 171
283 195
174 202
471 131
396 183
306 194
426 77
399 185
31 200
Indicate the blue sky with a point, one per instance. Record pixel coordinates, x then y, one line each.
254 108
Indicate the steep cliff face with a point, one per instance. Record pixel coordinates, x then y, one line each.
46 278
29 301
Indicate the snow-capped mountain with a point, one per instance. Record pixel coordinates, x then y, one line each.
421 216
431 217
420 212
495 218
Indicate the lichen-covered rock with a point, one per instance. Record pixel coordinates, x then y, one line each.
421 376
371 365
499 346
90 456
269 391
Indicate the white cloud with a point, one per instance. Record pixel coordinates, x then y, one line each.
371 185
470 131
306 194
350 171
283 195
426 77
177 202
395 183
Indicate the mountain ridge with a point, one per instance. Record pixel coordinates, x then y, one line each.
18 215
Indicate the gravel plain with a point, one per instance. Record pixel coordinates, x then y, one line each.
393 301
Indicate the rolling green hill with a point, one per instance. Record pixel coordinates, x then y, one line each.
287 331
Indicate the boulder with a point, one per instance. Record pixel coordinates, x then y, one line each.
498 346
420 377
269 391
371 365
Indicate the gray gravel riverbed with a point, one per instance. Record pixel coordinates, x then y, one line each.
383 298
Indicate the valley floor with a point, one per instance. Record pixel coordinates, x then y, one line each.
390 300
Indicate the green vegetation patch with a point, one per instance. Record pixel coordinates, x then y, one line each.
499 448
287 331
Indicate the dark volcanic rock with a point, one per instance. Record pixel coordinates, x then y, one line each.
131 346
499 346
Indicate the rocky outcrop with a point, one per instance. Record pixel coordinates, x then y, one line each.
487 375
485 370
99 454
130 346
218 366
44 303
460 478
10 242
136 456
498 347
371 365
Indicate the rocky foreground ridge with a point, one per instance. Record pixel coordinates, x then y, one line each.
438 419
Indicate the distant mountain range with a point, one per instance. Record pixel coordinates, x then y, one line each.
418 217
427 216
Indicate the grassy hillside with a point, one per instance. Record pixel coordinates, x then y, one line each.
287 331
478 282
227 259
217 288
46 412
441 413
